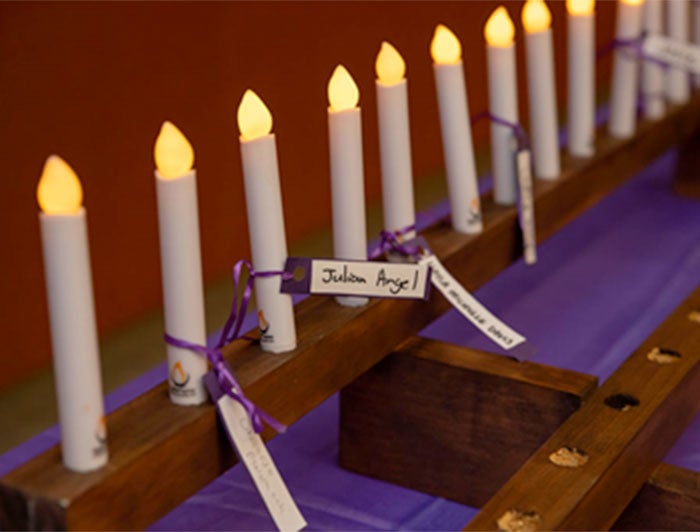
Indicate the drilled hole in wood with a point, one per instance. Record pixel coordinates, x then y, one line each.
621 401
518 521
694 316
568 457
661 355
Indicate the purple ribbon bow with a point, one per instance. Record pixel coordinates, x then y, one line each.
389 241
229 333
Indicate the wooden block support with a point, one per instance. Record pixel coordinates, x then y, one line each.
452 421
337 344
625 428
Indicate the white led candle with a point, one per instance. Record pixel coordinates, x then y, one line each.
347 174
541 89
181 263
463 190
265 223
623 89
653 78
394 141
581 77
677 79
503 103
76 359
696 36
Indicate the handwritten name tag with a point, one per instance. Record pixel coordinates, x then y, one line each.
254 455
675 53
357 278
527 207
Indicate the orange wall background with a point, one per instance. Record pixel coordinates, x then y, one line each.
92 82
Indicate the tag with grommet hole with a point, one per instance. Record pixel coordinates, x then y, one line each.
334 277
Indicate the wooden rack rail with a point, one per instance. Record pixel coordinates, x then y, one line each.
337 344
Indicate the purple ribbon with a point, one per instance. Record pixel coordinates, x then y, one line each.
634 47
389 241
518 131
229 333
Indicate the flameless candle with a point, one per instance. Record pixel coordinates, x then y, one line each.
581 77
76 359
653 91
503 103
265 223
458 149
696 36
541 90
623 90
347 175
394 141
677 79
181 263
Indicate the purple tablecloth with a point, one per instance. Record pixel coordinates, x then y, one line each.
602 285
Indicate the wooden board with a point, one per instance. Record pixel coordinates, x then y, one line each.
452 421
624 445
149 436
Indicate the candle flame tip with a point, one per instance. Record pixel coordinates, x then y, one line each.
389 66
59 190
172 152
445 47
342 90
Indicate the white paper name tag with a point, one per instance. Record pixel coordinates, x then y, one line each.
357 278
675 53
252 451
527 207
467 305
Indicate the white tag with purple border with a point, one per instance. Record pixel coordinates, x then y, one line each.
252 451
675 53
526 211
332 277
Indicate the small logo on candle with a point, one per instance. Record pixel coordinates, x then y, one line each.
263 323
100 437
474 214
178 376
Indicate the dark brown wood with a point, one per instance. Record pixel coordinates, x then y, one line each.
624 446
687 176
670 500
452 421
337 344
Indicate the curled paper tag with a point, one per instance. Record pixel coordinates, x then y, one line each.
330 277
470 307
672 52
526 211
254 455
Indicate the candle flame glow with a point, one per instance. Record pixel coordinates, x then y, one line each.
445 47
632 2
59 190
173 153
254 118
536 16
389 66
580 7
499 30
342 91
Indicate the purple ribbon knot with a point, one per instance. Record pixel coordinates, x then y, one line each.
229 333
389 241
518 131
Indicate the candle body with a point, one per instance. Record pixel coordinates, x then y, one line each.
677 79
623 90
76 357
458 149
653 78
348 190
183 293
503 103
542 97
395 155
268 243
581 77
696 37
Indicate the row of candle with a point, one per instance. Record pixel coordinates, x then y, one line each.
64 231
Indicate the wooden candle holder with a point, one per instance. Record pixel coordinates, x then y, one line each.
337 345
